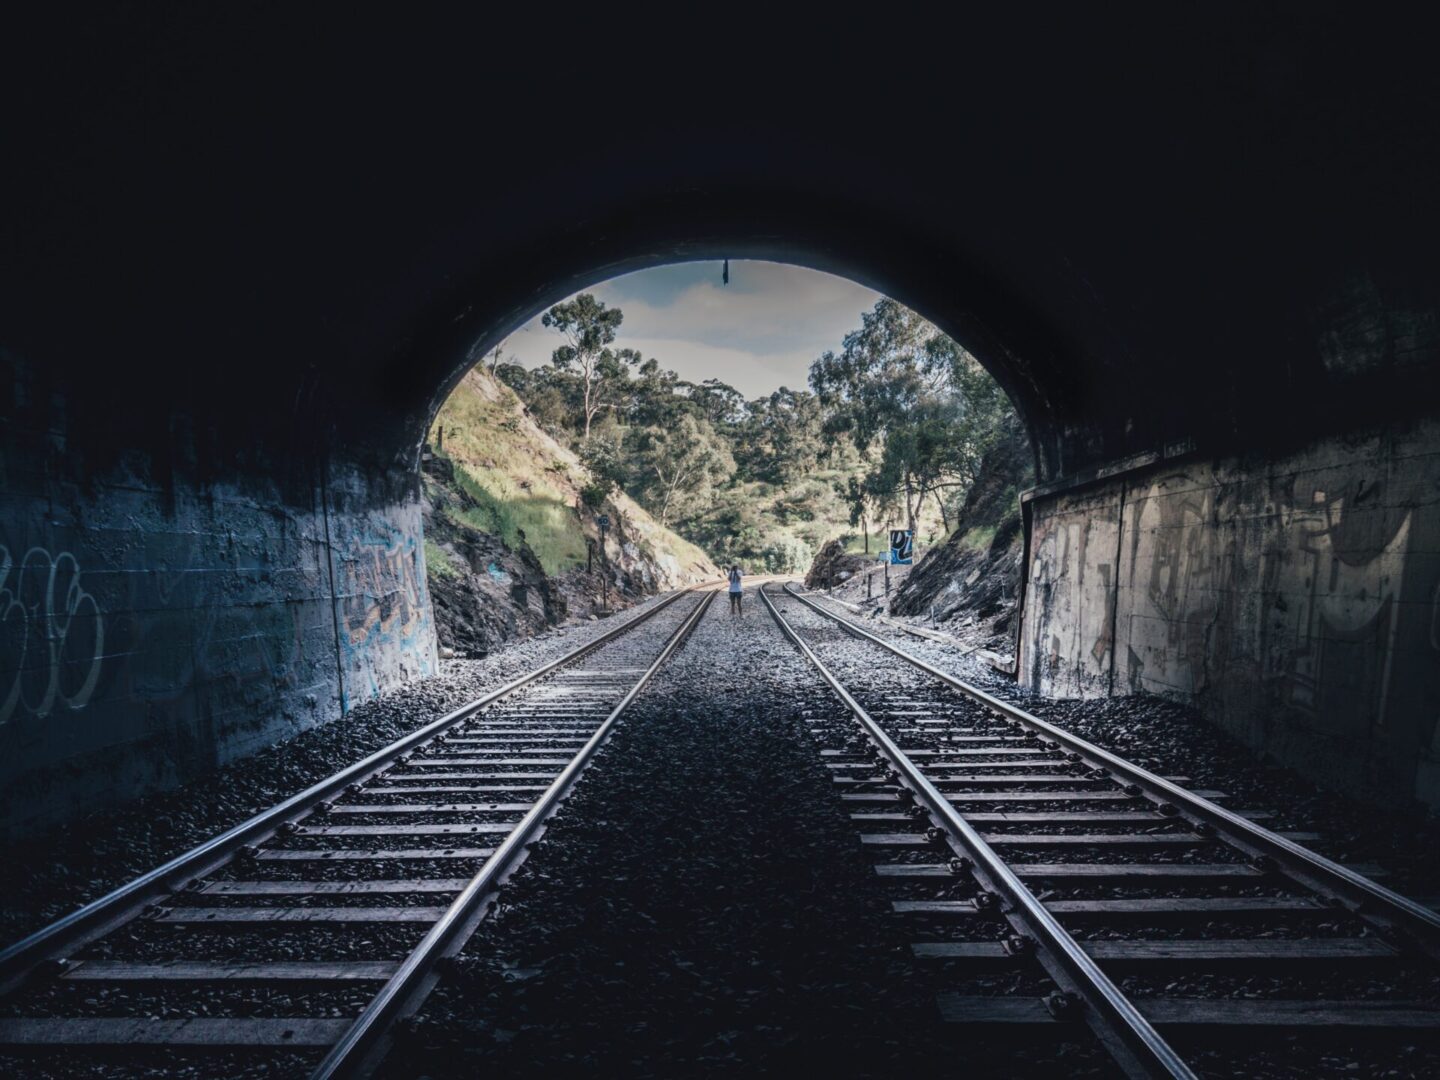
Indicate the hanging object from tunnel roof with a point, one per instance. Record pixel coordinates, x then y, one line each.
725 273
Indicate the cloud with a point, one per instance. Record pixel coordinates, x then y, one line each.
752 373
758 333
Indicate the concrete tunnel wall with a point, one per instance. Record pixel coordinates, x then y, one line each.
153 628
1295 600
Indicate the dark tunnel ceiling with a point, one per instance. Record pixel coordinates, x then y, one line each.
271 223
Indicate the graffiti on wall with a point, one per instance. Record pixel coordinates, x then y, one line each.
1308 598
386 600
384 607
1069 630
52 634
1345 603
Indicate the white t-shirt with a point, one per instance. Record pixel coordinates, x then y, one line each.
734 581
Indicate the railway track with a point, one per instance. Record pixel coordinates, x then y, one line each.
1122 900
305 932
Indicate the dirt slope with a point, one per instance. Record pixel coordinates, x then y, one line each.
508 536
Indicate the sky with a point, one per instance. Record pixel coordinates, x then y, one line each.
758 333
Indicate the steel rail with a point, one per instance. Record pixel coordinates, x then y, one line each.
1137 1047
407 988
1366 898
102 915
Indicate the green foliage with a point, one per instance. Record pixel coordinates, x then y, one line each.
492 515
916 405
804 501
602 458
786 555
782 437
594 494
589 328
491 471
525 489
680 465
744 523
879 541
891 432
438 562
978 538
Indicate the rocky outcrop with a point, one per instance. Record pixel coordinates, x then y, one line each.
483 592
500 596
974 585
628 568
501 474
487 589
834 564
972 581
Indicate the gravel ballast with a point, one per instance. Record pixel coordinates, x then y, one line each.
1171 740
54 873
702 905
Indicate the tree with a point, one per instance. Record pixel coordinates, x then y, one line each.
986 411
655 397
918 407
551 397
496 355
683 463
858 501
874 388
897 419
783 436
589 328
602 459
718 402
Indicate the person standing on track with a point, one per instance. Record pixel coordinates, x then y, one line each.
736 591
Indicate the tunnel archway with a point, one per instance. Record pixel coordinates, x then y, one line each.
764 482
1203 269
328 484
1011 342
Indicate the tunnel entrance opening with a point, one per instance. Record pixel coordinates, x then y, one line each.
1174 543
584 464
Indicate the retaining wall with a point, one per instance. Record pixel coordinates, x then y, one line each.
1295 600
154 626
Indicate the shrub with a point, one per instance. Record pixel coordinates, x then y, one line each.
438 562
594 494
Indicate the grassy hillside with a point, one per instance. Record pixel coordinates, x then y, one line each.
526 485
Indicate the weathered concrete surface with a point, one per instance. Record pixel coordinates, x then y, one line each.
1297 600
153 627
1068 632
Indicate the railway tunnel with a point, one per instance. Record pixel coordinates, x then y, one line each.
246 260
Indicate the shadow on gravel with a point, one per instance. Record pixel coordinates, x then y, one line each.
701 906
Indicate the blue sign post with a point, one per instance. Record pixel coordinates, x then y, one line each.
902 546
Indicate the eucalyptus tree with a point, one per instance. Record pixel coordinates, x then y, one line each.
682 464
589 328
782 437
916 405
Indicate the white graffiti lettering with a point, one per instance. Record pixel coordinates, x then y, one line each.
52 635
